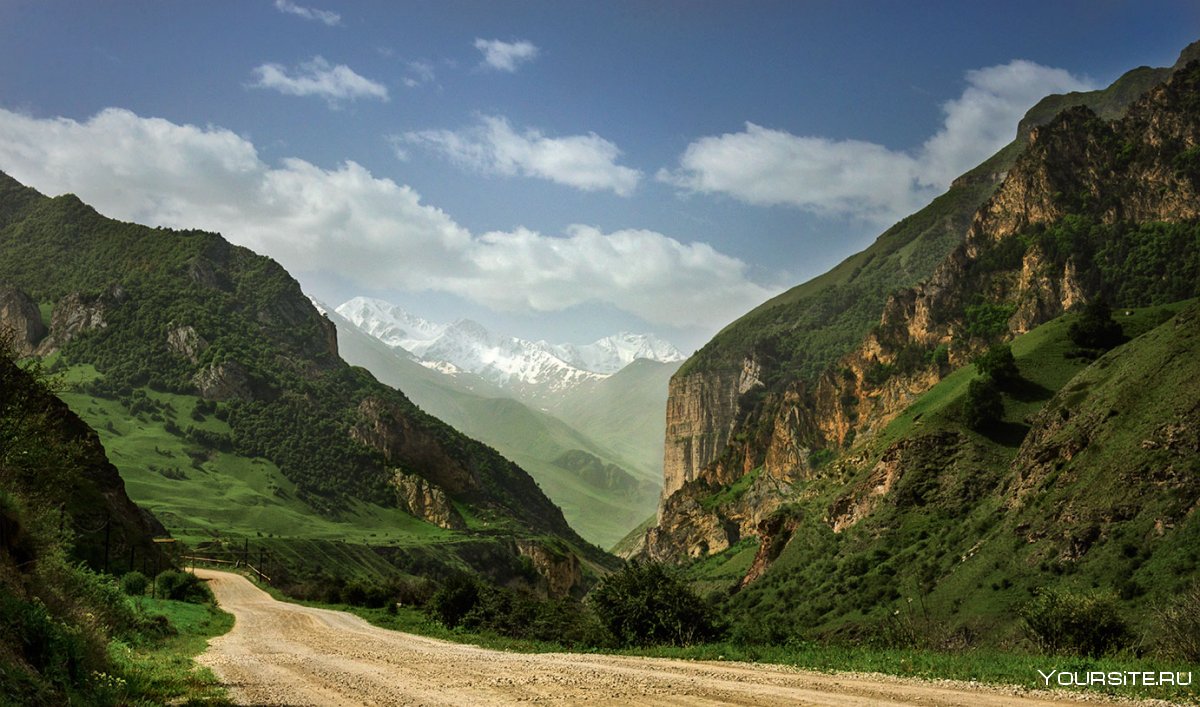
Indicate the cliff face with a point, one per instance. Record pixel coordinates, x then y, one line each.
1002 279
701 412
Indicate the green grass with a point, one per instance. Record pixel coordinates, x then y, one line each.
201 497
162 670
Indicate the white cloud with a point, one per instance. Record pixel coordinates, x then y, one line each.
587 162
324 16
862 179
505 56
319 78
418 73
765 167
372 231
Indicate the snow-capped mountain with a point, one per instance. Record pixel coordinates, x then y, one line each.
612 353
391 324
527 367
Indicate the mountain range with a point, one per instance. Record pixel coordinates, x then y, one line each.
531 369
591 438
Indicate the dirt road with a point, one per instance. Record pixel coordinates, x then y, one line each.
283 654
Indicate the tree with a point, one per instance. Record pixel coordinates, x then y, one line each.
647 604
998 364
1095 328
983 405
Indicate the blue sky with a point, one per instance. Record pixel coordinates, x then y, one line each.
556 170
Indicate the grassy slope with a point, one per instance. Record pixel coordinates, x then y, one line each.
624 413
531 438
957 551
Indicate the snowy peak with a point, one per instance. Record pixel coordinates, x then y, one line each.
391 324
530 367
612 353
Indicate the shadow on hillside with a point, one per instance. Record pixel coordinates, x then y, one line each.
1009 434
1027 391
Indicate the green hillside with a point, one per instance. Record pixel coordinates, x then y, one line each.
624 413
974 524
289 440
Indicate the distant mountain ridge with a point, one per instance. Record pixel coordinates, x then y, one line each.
530 368
573 440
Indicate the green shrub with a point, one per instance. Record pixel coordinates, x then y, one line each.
1059 621
1177 624
647 604
454 600
134 583
985 320
182 586
1095 328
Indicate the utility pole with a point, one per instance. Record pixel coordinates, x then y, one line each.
107 535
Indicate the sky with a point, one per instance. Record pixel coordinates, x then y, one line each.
555 170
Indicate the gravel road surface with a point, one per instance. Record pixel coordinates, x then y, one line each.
284 654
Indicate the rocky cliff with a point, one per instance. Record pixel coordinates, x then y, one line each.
1034 249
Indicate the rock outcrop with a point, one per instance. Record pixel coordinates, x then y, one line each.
426 501
79 313
561 571
224 381
185 342
702 410
391 432
21 320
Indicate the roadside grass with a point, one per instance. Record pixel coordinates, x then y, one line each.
984 666
158 667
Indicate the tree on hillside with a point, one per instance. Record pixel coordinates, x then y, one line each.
998 364
1095 328
983 405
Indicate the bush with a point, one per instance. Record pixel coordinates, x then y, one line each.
646 604
454 600
1178 626
983 405
1060 621
182 586
134 583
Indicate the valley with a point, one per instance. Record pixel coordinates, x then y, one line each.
963 448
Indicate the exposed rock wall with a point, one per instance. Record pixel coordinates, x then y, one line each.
426 501
701 411
562 571
387 430
21 320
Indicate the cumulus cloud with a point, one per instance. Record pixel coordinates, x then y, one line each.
367 229
587 162
319 78
862 179
309 13
505 56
